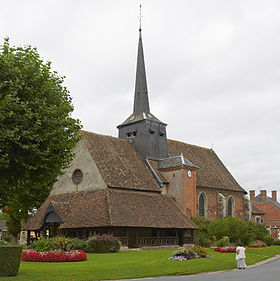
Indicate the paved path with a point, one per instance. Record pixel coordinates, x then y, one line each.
268 270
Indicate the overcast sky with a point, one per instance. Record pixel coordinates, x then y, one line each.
213 69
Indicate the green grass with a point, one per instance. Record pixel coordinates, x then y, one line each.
134 264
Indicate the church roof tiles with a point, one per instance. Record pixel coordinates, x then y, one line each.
212 172
118 162
111 207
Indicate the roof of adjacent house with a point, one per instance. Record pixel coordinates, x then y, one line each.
268 200
212 172
270 207
118 162
256 210
112 207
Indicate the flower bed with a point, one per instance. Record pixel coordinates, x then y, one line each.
54 256
184 254
225 249
257 244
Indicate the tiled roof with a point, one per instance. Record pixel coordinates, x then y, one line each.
268 199
256 210
113 207
154 165
118 162
212 172
272 212
175 161
142 209
76 209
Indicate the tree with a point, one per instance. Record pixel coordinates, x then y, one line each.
37 133
261 232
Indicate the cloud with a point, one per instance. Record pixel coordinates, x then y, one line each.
213 69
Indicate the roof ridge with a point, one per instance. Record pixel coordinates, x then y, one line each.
210 149
102 135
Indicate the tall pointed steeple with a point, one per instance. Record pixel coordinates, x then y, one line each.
141 100
147 133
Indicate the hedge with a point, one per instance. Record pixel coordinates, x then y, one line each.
10 257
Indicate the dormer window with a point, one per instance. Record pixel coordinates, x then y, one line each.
131 134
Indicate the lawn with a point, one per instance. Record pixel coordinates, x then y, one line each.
134 264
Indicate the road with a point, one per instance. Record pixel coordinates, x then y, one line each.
264 271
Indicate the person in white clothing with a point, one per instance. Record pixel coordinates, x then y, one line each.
240 257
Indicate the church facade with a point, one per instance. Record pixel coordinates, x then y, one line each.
141 186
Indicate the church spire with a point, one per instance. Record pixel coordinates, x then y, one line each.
141 100
143 129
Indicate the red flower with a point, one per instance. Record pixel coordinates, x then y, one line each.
225 250
56 256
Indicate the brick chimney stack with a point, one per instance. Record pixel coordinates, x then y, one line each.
274 195
252 195
263 195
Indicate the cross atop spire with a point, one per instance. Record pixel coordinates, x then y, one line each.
140 18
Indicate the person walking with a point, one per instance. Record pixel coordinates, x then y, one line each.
240 256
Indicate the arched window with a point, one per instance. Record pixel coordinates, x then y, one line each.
230 207
202 205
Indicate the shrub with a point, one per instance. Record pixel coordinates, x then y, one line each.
10 256
257 244
199 250
55 256
8 239
268 239
202 233
41 245
218 228
276 243
204 241
223 242
79 244
60 243
105 243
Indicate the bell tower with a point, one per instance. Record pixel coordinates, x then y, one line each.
147 133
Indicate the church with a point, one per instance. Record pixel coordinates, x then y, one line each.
141 187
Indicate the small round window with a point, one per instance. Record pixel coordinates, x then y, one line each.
77 176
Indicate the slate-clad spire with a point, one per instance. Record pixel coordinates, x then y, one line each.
143 129
141 100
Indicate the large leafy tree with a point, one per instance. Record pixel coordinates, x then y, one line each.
37 133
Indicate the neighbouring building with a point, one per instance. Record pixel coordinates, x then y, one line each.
141 186
3 229
270 208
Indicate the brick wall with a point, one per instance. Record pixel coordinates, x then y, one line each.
182 187
213 202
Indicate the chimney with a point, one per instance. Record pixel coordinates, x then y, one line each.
252 195
263 195
274 195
